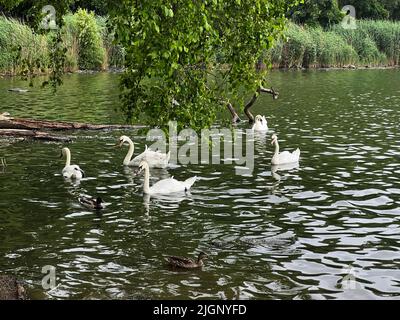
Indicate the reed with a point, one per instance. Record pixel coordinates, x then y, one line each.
373 43
89 43
21 48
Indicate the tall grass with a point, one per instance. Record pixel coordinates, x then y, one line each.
20 48
386 36
88 42
373 43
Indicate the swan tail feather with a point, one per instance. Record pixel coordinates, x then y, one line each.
189 182
297 153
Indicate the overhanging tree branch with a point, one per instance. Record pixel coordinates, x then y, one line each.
235 116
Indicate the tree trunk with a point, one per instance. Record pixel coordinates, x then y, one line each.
33 134
30 124
235 117
247 107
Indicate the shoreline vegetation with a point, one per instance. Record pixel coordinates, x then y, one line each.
88 42
90 47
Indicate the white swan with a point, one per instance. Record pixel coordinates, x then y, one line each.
285 156
71 171
164 186
260 124
155 159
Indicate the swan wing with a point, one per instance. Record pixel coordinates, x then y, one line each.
139 158
295 155
73 172
288 157
170 185
156 159
260 126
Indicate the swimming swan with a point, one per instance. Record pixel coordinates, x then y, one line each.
155 159
164 186
260 124
285 156
71 171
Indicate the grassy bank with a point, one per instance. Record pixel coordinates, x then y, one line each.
85 36
373 43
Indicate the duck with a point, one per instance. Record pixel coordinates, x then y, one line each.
284 157
164 186
11 288
71 171
91 203
187 263
155 159
260 124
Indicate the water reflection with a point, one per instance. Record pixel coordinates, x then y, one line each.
282 167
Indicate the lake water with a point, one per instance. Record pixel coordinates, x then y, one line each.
329 229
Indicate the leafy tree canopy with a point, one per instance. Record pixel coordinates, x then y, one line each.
30 10
328 12
317 12
171 46
369 9
393 6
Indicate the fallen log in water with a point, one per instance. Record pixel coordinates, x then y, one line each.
33 134
31 124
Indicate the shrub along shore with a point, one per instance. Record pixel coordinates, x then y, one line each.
90 46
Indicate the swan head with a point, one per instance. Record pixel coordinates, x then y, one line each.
142 166
122 140
274 139
259 118
64 152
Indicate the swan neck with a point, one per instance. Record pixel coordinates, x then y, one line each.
68 156
276 148
146 184
129 155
